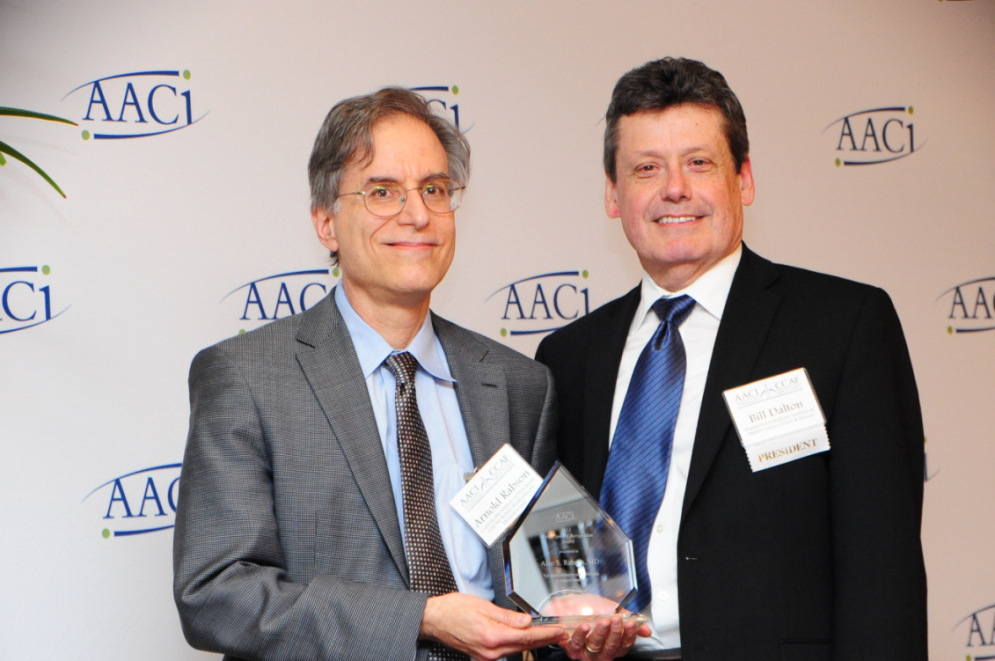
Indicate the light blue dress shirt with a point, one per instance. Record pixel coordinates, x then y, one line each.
440 413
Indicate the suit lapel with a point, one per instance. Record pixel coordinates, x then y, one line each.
481 389
482 392
746 321
604 353
329 361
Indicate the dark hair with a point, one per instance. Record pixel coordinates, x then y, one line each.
670 82
347 134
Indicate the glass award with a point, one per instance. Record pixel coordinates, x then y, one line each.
566 562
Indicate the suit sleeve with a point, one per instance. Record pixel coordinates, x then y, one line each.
876 494
544 450
230 585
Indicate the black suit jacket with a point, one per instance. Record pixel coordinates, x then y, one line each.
819 558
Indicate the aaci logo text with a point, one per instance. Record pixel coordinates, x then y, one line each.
26 298
138 502
970 306
873 136
140 104
542 303
979 630
278 296
769 390
443 100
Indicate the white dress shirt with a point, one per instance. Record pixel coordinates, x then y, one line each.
698 333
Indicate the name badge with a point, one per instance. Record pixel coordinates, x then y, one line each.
778 419
497 494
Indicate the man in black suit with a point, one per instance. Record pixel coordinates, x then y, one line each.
818 558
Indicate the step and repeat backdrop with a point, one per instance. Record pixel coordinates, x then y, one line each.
170 210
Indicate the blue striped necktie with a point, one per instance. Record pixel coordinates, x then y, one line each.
636 476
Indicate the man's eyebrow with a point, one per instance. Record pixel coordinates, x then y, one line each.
379 180
391 180
435 175
702 148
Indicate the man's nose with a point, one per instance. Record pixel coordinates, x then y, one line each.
415 212
676 187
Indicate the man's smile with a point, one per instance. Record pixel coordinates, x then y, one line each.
674 220
411 244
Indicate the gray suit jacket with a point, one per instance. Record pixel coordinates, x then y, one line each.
287 543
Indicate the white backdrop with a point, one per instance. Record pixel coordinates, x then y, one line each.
149 257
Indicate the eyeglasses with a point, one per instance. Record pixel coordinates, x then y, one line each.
387 199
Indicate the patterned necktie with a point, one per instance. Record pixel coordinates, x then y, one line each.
428 565
639 460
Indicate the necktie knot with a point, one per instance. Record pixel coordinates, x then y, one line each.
402 366
671 312
674 310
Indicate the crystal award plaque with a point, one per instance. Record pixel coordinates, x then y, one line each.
565 560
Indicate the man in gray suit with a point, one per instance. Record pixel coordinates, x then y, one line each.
302 475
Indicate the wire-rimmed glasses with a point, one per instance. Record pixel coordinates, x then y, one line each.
386 199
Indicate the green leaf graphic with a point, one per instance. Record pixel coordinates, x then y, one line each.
13 153
17 112
10 151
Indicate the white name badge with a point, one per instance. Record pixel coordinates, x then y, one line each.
497 494
778 419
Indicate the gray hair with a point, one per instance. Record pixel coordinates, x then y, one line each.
670 82
347 135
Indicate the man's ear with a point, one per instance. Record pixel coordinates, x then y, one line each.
746 190
324 226
611 198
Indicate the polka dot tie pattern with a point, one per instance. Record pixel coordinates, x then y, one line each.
428 565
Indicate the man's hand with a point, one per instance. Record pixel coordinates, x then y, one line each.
610 638
481 629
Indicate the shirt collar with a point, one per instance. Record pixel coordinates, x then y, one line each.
372 349
709 291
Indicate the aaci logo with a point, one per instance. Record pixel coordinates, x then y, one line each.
25 298
542 303
443 100
770 390
278 296
135 105
980 630
971 305
139 502
878 135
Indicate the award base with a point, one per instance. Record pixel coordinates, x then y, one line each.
571 622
